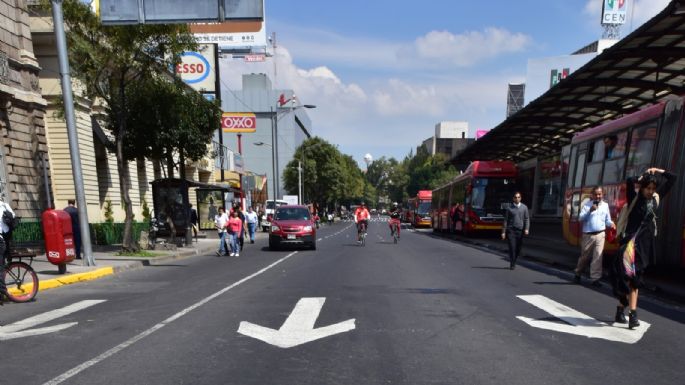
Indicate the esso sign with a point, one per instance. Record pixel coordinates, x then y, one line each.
194 67
239 122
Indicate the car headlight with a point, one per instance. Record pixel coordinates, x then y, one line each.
307 228
275 228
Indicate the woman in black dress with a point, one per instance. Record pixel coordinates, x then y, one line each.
642 227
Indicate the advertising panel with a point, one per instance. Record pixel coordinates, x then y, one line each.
614 12
481 133
208 203
238 122
238 163
197 68
236 34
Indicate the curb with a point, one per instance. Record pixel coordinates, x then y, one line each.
75 278
111 270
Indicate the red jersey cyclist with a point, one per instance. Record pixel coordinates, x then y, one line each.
395 213
361 218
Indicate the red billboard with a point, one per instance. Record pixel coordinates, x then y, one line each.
238 122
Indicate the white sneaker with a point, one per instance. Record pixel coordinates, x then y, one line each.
237 254
232 254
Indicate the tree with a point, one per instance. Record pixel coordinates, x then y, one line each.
329 175
109 61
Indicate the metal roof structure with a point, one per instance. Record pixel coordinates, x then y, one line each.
635 72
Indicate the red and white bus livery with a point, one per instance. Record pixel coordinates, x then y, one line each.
608 154
475 200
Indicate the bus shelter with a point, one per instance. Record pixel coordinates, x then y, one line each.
170 200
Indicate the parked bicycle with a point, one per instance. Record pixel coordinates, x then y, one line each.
19 277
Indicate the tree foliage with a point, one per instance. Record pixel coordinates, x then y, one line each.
117 64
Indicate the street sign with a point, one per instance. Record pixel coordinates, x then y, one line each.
255 58
299 328
580 324
23 328
113 12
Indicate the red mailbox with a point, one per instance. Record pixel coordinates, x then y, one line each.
59 240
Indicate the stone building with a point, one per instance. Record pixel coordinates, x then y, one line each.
23 153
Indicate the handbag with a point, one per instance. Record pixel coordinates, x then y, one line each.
629 257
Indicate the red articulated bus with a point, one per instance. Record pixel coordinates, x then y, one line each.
420 209
474 201
608 154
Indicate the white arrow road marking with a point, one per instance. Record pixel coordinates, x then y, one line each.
579 323
298 328
18 329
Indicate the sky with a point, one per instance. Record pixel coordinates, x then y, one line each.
383 73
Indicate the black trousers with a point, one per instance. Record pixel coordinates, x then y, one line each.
515 239
3 260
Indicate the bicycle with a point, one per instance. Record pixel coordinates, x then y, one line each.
361 234
20 279
394 231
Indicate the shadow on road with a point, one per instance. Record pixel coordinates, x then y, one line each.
491 267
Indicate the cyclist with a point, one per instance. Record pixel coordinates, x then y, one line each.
395 213
361 218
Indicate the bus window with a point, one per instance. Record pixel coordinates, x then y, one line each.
615 149
594 167
580 166
641 148
572 166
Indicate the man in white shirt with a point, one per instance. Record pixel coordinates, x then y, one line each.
251 219
220 221
595 217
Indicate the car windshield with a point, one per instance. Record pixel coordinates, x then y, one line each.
297 214
424 208
489 194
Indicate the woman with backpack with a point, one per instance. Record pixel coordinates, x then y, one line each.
637 230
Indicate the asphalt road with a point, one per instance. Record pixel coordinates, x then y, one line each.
425 311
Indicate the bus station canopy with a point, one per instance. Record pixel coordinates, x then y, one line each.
636 72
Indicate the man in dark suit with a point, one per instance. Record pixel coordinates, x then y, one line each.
516 225
75 228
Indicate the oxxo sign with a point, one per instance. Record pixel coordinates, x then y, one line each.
238 122
196 69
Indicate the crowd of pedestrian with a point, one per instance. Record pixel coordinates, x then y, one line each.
635 230
233 227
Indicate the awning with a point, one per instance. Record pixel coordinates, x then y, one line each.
637 71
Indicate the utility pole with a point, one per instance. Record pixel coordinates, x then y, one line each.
72 135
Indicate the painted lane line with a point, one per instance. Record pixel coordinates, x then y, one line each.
579 323
78 369
18 329
49 316
298 328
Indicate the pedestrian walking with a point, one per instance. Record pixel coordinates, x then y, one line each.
193 221
637 239
241 235
235 228
252 220
75 226
220 221
516 225
595 218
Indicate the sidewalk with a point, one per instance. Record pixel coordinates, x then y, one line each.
108 262
547 245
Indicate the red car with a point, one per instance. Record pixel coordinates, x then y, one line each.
292 225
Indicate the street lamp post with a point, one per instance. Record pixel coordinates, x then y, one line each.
274 141
273 166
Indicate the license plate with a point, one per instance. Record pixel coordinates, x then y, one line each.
292 236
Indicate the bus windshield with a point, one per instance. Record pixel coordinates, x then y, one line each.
424 208
489 194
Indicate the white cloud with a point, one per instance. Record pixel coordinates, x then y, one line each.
434 49
398 111
466 49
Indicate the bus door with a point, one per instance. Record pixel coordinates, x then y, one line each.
574 198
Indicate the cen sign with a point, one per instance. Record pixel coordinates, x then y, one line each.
238 122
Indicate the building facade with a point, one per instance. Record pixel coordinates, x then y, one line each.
286 118
23 153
